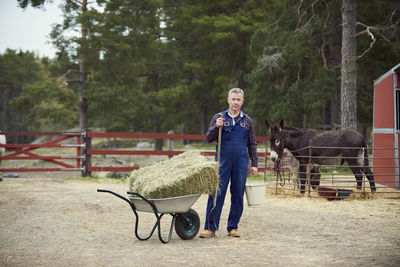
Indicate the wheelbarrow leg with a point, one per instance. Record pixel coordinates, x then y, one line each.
136 215
159 227
158 217
137 227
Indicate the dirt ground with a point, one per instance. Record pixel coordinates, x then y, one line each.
46 220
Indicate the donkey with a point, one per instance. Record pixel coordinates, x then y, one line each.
347 145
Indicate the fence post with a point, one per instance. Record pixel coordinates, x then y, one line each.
170 143
86 159
309 168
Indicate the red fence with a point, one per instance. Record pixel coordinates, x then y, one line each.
84 150
24 152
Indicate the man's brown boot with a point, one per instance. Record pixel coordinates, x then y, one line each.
234 233
207 234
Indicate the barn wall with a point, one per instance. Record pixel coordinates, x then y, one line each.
386 128
383 104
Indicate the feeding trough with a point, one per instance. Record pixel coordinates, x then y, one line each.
333 193
185 219
343 193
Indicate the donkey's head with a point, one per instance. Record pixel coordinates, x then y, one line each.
276 140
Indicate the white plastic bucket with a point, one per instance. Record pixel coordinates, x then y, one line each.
255 193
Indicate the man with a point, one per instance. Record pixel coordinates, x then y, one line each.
238 141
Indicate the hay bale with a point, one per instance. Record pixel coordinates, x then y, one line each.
185 174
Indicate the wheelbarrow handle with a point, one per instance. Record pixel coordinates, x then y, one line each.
128 201
117 195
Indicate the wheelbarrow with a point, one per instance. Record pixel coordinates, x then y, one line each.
185 219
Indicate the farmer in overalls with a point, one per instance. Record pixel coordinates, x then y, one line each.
238 142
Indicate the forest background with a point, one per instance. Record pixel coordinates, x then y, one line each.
160 65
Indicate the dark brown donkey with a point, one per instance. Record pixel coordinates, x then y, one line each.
327 147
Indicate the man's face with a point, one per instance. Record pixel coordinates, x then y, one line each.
235 102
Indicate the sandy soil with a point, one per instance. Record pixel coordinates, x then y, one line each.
46 220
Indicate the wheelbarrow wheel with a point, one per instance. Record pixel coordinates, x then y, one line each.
187 224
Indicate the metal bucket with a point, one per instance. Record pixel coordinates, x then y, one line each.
255 193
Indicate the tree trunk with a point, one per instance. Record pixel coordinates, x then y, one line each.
4 103
83 113
83 104
349 66
327 112
158 143
204 119
241 79
334 57
83 116
155 111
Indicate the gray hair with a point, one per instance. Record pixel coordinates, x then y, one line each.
236 91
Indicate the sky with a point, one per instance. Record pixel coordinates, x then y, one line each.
28 29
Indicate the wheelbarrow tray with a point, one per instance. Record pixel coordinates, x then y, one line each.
180 204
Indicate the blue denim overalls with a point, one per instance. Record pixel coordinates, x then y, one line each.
233 166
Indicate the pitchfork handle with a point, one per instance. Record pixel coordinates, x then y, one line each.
218 160
219 143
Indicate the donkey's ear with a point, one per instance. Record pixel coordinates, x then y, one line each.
280 125
268 124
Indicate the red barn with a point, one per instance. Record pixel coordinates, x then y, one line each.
386 128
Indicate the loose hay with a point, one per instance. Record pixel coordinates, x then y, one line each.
186 174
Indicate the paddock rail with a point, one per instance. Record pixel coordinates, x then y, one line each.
80 158
57 140
336 178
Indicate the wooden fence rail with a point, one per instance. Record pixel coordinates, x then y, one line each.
84 150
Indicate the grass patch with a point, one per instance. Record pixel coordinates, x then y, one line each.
260 177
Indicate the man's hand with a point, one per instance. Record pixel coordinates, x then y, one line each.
253 170
219 122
